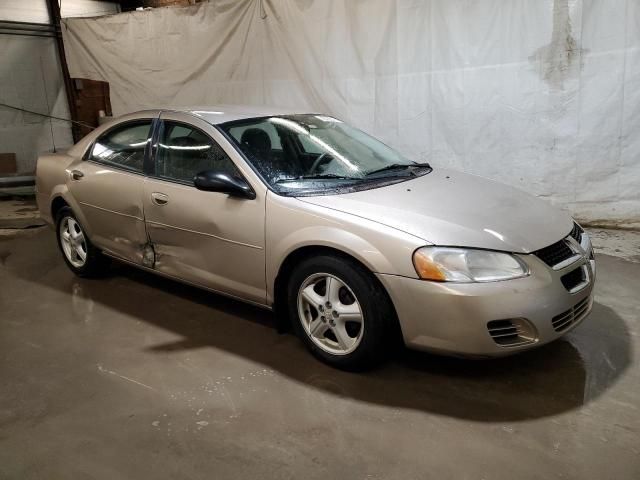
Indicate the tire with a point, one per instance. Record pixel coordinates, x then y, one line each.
325 294
94 264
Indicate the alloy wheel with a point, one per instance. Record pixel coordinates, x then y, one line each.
330 313
74 244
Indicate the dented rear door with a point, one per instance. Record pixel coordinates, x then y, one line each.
108 186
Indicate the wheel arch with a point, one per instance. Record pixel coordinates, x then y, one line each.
57 203
60 198
294 257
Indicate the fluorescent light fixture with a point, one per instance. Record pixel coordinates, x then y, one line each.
186 147
207 112
295 126
328 119
289 123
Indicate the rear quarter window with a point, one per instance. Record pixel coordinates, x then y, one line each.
123 146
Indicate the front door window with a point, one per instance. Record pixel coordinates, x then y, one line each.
184 151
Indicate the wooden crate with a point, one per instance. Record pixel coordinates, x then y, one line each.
8 163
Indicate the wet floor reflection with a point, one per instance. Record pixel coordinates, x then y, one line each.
550 380
555 378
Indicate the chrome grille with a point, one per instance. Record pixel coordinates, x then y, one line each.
572 316
577 232
555 253
560 251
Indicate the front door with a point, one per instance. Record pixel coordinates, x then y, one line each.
206 238
108 186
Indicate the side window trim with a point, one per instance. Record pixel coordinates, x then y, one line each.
154 152
148 166
87 157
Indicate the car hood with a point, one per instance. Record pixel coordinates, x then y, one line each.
451 208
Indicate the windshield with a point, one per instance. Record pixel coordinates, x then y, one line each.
312 153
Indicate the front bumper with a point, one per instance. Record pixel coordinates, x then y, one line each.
455 318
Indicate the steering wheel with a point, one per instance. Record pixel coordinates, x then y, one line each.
319 161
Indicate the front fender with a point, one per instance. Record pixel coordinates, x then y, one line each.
292 224
335 238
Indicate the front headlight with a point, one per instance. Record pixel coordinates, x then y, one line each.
449 264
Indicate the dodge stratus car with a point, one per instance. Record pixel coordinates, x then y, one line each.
343 236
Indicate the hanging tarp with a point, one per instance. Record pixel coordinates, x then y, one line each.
540 94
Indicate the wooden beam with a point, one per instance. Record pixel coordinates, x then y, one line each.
54 15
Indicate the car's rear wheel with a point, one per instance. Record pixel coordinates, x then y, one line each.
80 255
340 312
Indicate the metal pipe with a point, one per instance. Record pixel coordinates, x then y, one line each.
35 24
17 181
27 29
53 35
33 29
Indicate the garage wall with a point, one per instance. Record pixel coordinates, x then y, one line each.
35 11
540 94
31 79
87 8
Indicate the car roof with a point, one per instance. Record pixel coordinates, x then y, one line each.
216 114
213 114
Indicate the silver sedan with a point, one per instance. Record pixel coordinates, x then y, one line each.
351 243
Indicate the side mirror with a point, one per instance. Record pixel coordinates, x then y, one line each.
213 181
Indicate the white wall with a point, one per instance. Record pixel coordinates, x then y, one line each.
28 66
540 94
87 8
31 78
24 11
36 10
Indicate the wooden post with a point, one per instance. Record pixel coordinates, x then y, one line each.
54 14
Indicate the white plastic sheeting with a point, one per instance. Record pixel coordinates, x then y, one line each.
540 94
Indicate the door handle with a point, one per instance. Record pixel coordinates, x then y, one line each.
159 198
76 174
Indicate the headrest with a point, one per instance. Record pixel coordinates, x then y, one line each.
257 139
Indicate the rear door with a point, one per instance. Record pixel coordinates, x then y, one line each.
108 185
207 238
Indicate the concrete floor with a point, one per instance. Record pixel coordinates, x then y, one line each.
18 213
134 376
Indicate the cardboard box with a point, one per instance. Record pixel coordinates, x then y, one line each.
8 164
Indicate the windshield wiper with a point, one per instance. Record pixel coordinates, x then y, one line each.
398 166
319 176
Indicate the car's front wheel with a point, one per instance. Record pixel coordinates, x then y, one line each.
81 256
340 312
